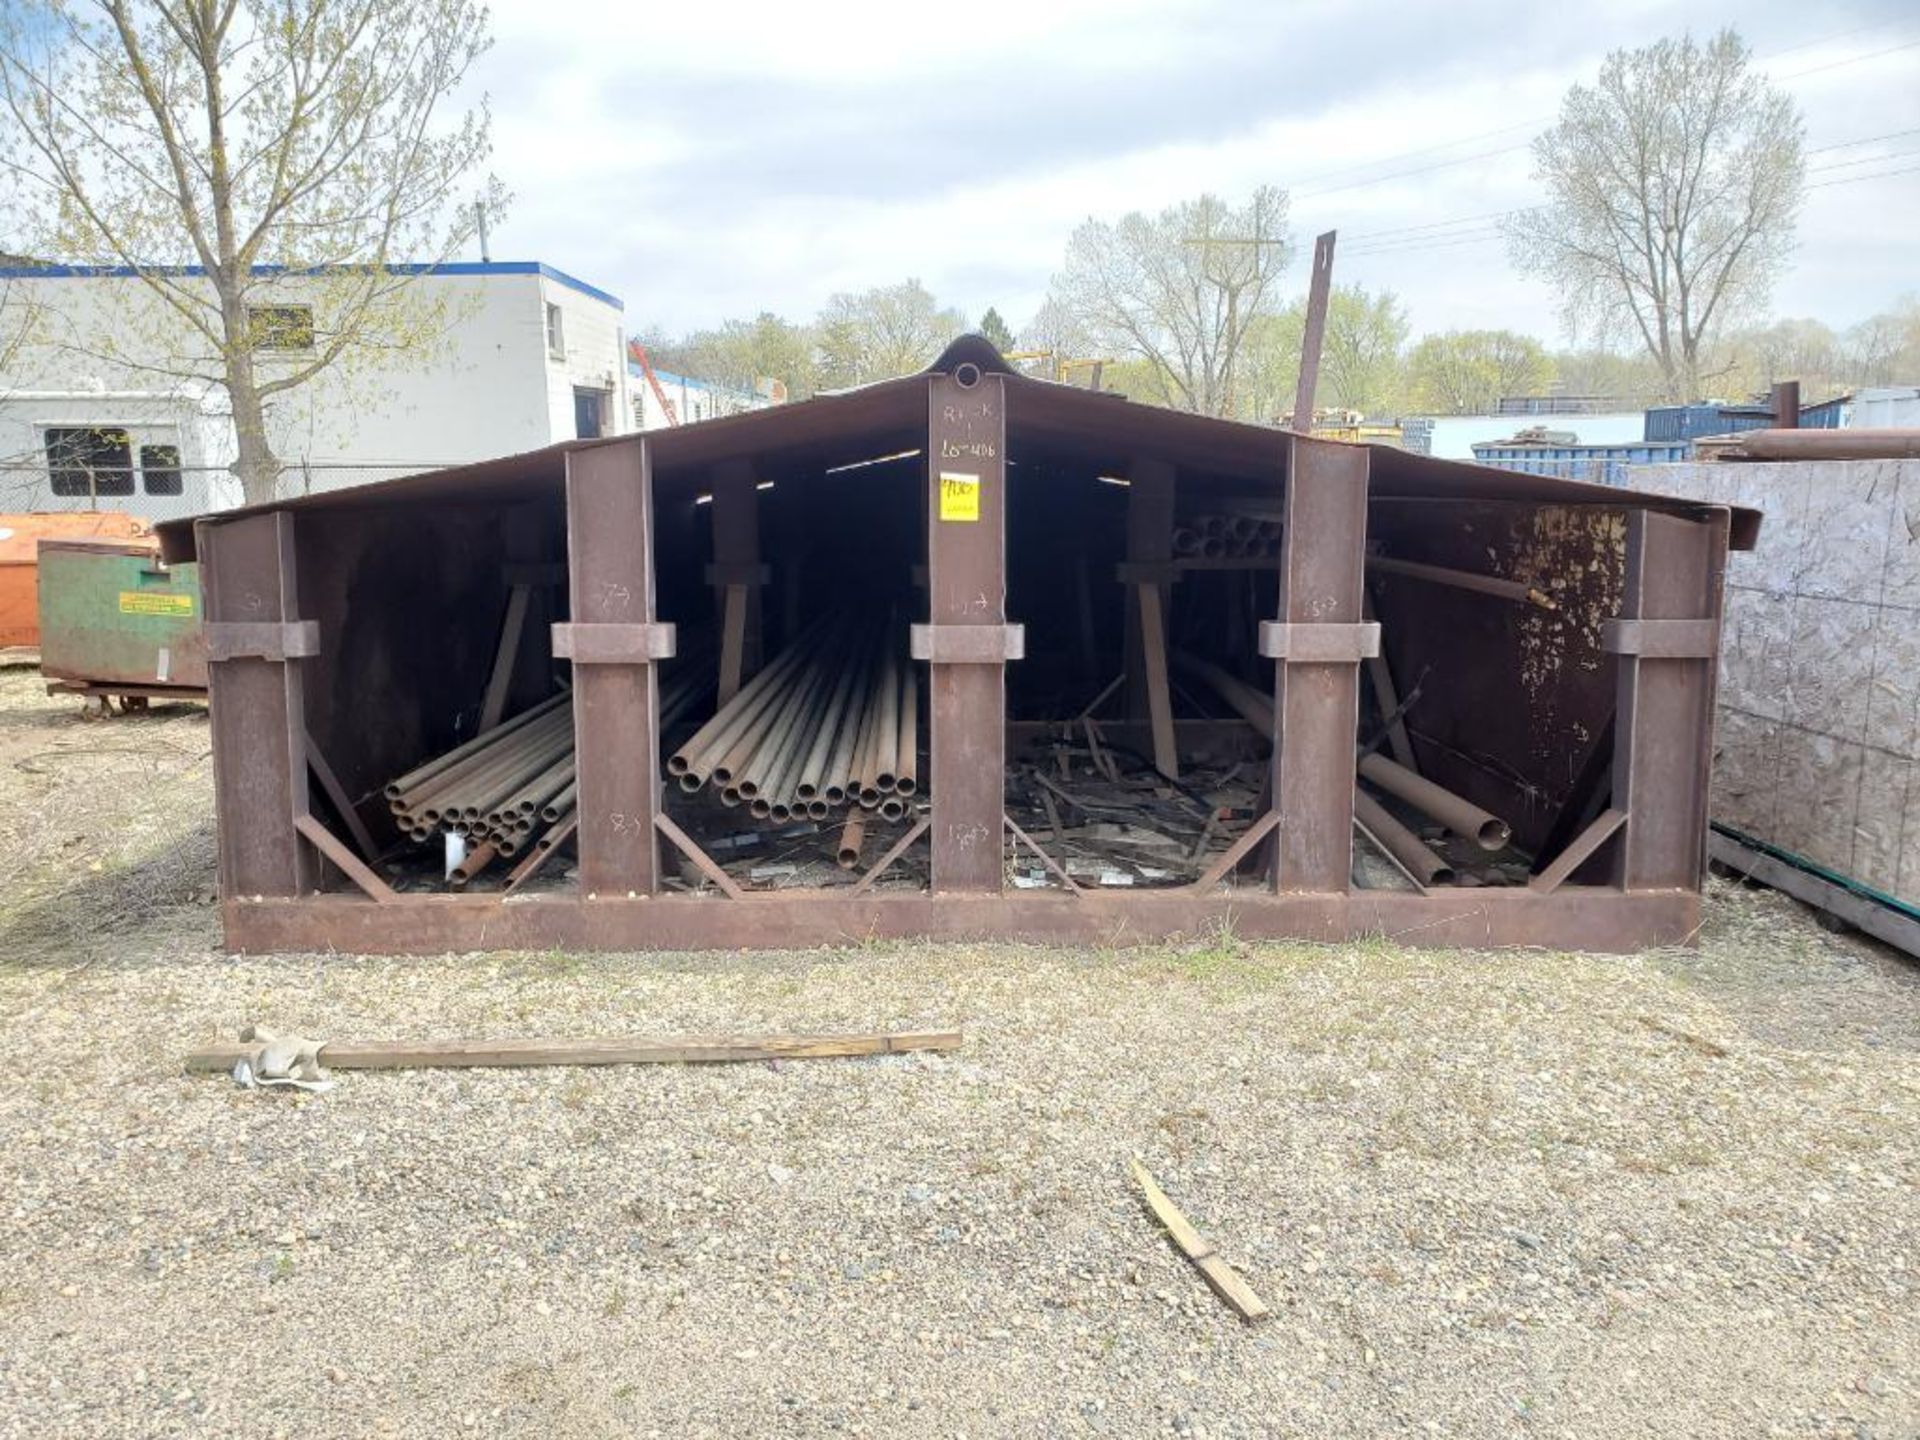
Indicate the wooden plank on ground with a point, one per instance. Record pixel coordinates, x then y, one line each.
1224 1279
493 1054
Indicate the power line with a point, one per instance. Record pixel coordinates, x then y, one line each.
1870 139
1359 242
1856 179
1436 224
1863 160
1857 59
1843 35
1366 182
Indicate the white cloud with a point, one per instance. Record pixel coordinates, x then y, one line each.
706 165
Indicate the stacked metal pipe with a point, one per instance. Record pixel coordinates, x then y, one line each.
1226 537
512 787
832 721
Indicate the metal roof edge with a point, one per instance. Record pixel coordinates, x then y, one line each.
444 267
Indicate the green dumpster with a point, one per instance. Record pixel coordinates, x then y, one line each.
114 619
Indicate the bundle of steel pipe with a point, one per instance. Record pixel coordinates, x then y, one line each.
1226 537
512 788
832 720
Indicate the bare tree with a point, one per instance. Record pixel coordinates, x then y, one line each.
1672 187
1181 289
238 155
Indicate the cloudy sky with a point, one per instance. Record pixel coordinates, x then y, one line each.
705 162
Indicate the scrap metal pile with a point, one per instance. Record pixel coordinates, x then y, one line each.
831 723
1400 843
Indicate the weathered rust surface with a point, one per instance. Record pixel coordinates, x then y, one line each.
967 585
1571 917
615 706
1663 750
258 712
1316 703
1513 699
406 583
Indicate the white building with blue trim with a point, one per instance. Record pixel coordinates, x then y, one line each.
98 409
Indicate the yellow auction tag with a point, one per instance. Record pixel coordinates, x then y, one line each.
959 496
154 602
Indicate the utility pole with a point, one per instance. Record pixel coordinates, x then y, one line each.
1256 242
480 214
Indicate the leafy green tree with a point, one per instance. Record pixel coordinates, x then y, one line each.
1360 359
879 333
1630 381
1466 372
742 353
248 138
995 329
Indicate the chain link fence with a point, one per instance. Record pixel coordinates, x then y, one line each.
169 493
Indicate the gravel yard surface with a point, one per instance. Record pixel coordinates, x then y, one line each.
1676 1194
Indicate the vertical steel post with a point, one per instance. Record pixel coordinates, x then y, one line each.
967 588
258 710
1786 405
1663 752
1316 702
616 707
1319 288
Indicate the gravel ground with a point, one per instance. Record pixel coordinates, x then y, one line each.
1486 1194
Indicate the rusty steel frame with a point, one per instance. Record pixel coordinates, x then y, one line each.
1591 917
270 870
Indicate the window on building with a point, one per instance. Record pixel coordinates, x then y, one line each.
556 334
587 414
281 327
160 470
90 460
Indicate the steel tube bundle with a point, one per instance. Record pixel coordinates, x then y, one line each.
832 720
513 788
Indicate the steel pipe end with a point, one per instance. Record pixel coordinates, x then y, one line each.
905 785
1494 835
760 809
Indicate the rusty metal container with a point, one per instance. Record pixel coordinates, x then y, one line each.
114 617
352 635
